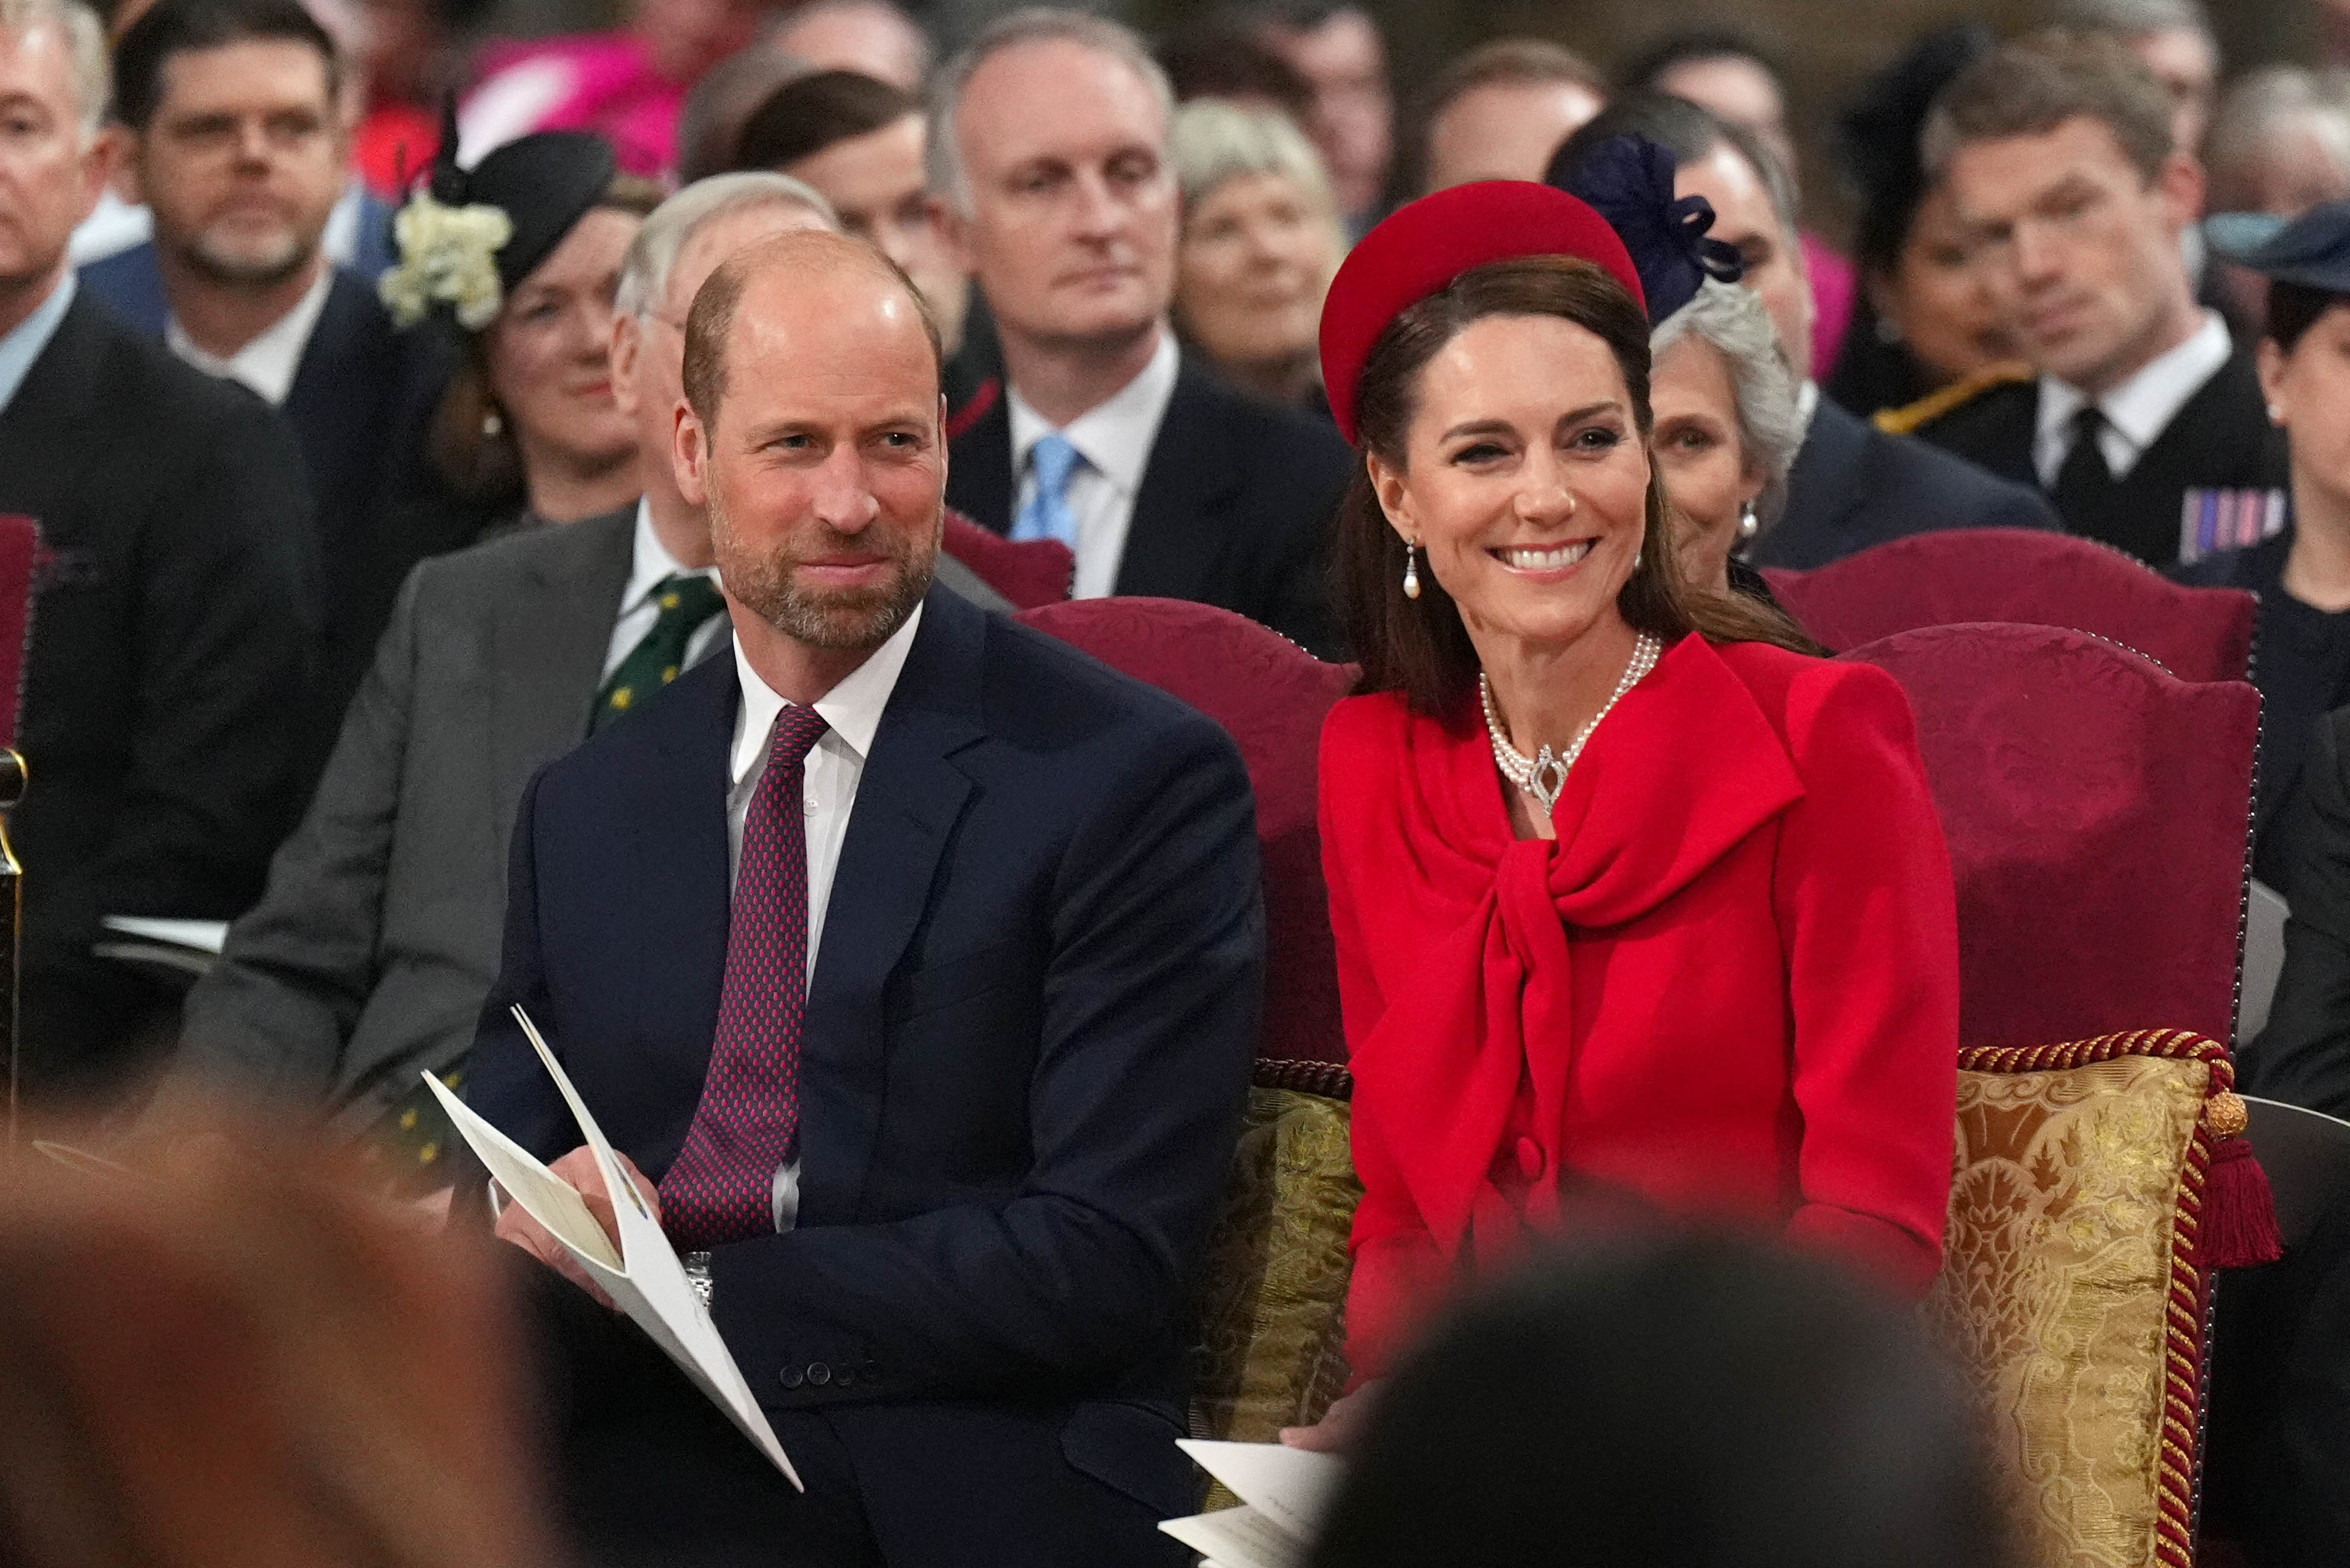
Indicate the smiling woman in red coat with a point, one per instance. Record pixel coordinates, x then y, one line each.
1632 898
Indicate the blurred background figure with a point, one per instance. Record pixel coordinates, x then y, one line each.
2172 38
1727 430
1925 316
1729 72
628 85
235 1352
2302 573
1673 1404
1500 111
409 56
526 431
872 37
1337 50
2279 145
1224 60
1262 238
710 126
859 142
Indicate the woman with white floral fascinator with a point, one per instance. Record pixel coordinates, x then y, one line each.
517 257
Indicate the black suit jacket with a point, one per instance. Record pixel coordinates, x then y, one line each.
2219 438
1026 1047
172 637
361 400
2302 1057
1853 486
1236 507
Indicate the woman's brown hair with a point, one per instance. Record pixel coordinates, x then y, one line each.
1419 647
484 466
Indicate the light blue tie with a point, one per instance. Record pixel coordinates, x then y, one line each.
1047 515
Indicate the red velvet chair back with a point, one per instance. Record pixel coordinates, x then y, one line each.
1029 572
2029 578
2098 812
1272 696
20 544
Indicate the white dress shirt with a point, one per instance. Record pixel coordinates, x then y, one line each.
852 715
649 565
1114 439
2137 411
267 364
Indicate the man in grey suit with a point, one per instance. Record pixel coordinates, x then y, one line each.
367 959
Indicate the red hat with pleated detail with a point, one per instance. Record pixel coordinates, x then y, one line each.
1422 247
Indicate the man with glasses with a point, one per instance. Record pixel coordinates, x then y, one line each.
237 146
2143 423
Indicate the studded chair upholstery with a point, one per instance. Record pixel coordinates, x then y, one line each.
2028 577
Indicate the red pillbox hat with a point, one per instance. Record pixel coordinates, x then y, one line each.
1423 247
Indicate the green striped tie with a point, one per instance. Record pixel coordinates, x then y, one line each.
686 603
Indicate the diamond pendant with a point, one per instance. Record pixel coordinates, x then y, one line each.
1546 781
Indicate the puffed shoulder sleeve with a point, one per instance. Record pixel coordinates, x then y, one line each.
1868 917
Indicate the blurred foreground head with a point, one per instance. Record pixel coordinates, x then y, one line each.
1676 1403
241 1355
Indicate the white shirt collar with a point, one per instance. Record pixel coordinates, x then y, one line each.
2141 407
649 563
1115 436
853 709
269 363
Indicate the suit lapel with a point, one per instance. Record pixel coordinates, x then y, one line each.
908 802
549 636
45 431
681 879
1177 534
980 481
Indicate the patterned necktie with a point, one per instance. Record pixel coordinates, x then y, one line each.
747 1124
2084 485
686 603
1047 515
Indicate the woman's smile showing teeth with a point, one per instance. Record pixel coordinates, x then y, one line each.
1550 559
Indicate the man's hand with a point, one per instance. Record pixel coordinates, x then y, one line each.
1340 1430
579 1170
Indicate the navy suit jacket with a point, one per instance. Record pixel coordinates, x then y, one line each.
1853 486
1235 508
359 404
1026 1047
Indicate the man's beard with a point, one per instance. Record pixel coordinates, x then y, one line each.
846 620
255 271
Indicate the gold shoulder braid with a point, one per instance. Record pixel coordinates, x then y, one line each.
1940 402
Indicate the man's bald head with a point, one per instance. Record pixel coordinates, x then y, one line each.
814 283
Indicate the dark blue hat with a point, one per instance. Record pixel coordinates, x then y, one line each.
2312 250
544 183
1629 181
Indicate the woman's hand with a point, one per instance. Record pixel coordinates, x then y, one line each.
1340 1430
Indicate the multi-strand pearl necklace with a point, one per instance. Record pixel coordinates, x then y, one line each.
1543 775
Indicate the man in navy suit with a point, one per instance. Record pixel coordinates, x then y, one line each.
940 1099
238 149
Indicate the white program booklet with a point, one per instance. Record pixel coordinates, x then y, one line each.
642 1274
1282 1492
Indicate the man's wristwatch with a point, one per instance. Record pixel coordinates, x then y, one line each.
697 1274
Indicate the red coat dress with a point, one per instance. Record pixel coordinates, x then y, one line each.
1730 986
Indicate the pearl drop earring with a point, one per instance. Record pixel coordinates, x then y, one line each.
1411 568
1747 522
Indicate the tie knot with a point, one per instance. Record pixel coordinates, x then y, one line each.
1054 460
690 598
2089 422
797 730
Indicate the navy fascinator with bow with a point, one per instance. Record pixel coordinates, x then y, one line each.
1629 181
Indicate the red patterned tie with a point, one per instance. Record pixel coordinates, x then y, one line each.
722 1188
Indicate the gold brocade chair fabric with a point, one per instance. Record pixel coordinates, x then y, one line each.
1273 1299
2084 1220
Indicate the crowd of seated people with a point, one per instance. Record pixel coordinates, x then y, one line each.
522 523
